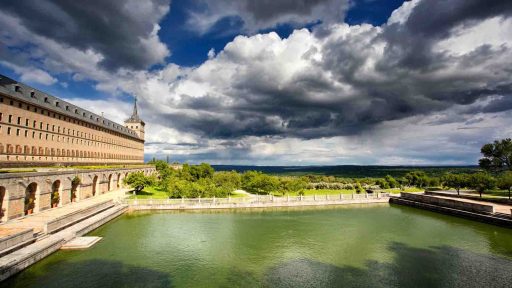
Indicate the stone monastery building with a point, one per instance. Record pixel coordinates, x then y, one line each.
38 129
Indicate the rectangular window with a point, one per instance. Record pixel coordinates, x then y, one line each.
19 120
26 122
35 122
26 133
10 119
8 130
17 132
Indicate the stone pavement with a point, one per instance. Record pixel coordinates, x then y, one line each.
500 208
37 221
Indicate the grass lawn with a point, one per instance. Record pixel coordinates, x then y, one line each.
311 192
234 194
408 189
150 192
500 193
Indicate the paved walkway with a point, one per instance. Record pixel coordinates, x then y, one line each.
500 208
36 221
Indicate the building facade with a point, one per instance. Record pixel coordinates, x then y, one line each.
26 193
37 129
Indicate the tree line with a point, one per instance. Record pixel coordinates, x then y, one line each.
192 181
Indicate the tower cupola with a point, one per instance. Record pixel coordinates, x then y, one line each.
134 122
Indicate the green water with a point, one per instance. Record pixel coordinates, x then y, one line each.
349 246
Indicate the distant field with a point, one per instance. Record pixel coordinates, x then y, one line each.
349 171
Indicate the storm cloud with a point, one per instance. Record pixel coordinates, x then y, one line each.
251 16
341 80
123 32
437 74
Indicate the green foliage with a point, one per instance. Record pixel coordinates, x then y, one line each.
30 203
160 165
138 180
359 188
259 183
198 181
481 182
497 156
456 181
505 182
383 184
392 183
227 180
201 171
76 181
418 179
292 185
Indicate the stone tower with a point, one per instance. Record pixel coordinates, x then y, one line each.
135 123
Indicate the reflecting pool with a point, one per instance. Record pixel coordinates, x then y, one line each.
347 246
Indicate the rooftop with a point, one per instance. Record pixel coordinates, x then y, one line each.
33 96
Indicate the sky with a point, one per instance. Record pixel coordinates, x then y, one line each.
278 82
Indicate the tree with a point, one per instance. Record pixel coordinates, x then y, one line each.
203 170
417 178
505 182
383 184
497 156
160 165
403 182
359 188
456 181
138 181
481 182
259 183
228 181
391 181
292 184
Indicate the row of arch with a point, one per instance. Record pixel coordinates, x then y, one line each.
27 150
74 191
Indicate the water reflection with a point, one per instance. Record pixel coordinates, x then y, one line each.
411 267
89 274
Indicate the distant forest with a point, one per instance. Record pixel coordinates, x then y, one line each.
350 171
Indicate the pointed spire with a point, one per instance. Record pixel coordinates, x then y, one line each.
135 115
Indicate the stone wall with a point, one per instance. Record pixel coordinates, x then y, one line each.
450 203
17 187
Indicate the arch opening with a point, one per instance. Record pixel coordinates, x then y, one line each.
55 201
74 189
94 185
30 198
110 186
3 206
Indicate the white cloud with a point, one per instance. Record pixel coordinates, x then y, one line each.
31 74
334 95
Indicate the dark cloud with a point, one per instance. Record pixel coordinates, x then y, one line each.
120 30
409 44
409 79
266 10
265 14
